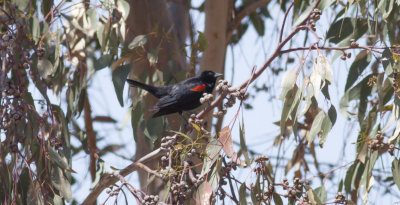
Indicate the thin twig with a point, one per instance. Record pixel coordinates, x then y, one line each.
284 21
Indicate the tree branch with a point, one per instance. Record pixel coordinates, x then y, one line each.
245 12
91 136
108 179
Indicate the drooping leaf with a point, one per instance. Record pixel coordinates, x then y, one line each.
326 127
124 8
92 20
102 62
277 199
153 129
225 138
321 193
360 63
288 81
202 42
243 145
396 172
242 194
61 183
212 151
138 41
258 23
315 126
290 102
59 160
203 194
119 77
345 29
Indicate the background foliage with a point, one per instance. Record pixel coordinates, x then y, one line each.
51 51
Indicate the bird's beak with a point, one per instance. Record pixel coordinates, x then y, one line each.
216 75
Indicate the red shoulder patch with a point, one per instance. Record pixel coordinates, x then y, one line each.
199 88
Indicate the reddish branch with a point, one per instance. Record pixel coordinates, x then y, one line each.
91 137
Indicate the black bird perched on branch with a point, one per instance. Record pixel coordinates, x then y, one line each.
182 96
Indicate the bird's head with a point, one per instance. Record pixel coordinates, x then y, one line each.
209 76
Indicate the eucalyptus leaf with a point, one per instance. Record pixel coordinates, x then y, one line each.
315 127
119 77
396 172
61 183
138 41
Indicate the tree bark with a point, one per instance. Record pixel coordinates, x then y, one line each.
215 30
154 16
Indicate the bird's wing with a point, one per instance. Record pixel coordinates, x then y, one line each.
181 93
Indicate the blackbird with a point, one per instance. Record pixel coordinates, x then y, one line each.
182 96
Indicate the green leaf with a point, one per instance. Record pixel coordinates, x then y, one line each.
213 149
119 77
60 116
396 172
345 29
291 99
287 83
277 199
303 16
321 193
92 20
386 8
240 31
202 43
242 194
61 183
340 187
23 185
360 63
326 127
316 126
101 169
243 145
387 62
136 117
102 62
61 161
138 41
153 129
258 23
352 94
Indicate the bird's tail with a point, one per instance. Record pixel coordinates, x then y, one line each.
148 88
